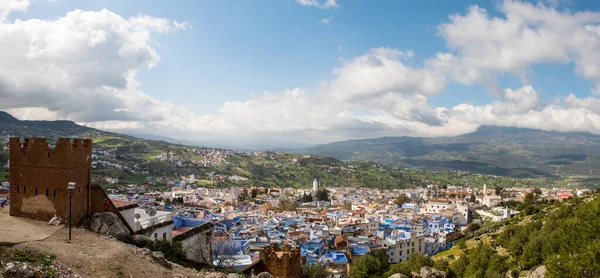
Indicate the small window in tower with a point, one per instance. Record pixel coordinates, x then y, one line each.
47 192
36 191
17 189
24 189
54 192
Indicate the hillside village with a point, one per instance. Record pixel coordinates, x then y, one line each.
237 227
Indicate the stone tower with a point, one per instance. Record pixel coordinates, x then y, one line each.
281 262
39 176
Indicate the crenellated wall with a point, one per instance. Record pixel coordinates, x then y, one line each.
281 262
39 176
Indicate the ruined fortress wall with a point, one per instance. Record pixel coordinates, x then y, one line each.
39 176
283 262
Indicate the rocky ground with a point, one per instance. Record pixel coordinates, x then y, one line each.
89 255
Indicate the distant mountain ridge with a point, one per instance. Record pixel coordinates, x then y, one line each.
6 118
519 152
508 151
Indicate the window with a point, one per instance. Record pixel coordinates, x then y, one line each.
164 236
47 192
54 192
155 236
36 191
24 189
17 189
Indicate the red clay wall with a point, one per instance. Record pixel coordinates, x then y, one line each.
39 177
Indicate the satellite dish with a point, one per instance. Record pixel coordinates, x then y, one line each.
137 216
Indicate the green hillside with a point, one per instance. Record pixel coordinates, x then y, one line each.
140 158
490 150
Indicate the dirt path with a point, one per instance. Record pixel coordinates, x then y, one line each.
91 255
15 230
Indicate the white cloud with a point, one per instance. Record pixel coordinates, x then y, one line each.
82 66
380 71
326 4
7 6
326 21
528 34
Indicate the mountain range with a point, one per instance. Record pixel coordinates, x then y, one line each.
509 151
495 150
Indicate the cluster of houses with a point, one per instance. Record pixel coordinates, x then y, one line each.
353 222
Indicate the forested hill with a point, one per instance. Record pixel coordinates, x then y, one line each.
495 150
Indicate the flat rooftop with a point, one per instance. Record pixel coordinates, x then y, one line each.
123 205
14 230
181 230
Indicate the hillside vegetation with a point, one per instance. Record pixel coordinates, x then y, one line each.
564 237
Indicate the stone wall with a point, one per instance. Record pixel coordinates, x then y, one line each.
39 176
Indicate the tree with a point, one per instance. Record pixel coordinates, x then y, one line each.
472 199
443 265
414 263
317 270
306 198
498 189
402 199
366 266
473 227
223 252
287 204
254 192
243 196
462 244
322 194
383 260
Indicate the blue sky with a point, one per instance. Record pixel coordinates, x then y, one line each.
235 51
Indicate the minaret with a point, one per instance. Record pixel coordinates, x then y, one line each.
484 189
315 186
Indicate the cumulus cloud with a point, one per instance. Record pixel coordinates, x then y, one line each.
527 34
7 6
83 66
380 71
326 4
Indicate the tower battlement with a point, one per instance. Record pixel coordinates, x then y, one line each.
36 152
281 262
40 174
